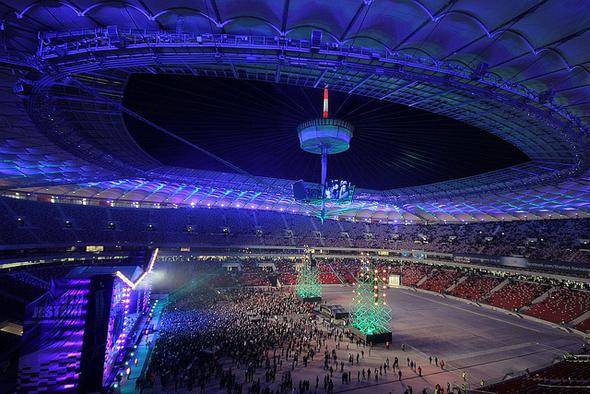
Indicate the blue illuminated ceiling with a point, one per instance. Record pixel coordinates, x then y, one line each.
519 70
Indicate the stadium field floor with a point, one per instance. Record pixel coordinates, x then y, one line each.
485 343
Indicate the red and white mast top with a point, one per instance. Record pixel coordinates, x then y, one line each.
325 109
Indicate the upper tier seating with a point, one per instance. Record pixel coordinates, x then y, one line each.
33 223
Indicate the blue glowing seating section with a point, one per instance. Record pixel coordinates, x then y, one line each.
44 224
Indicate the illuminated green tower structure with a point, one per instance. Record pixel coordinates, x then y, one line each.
371 315
309 287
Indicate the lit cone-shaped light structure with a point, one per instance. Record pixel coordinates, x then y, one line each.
371 314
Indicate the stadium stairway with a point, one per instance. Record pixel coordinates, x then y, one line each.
349 242
285 223
579 319
321 238
457 283
342 230
495 289
425 278
337 274
419 282
314 225
540 298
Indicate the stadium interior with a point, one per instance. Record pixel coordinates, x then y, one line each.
281 196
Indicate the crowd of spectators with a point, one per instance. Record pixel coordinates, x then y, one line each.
558 301
35 223
248 339
263 341
196 349
208 337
